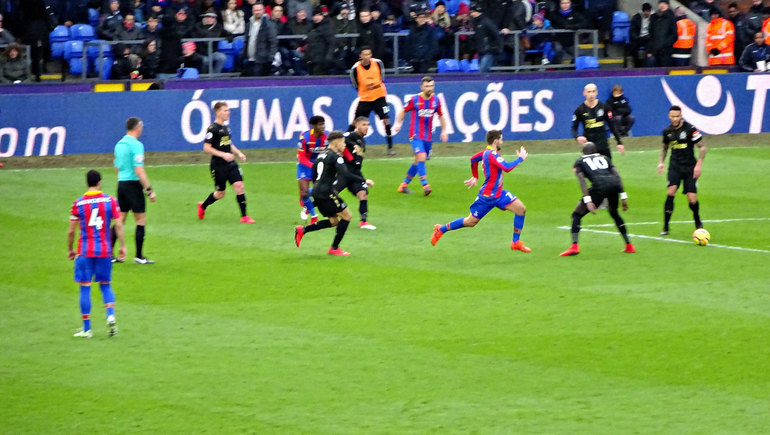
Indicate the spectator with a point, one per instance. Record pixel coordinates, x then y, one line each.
157 8
129 30
551 52
462 23
175 28
320 44
14 65
344 47
207 6
720 40
391 24
662 36
34 21
756 56
685 34
639 35
621 111
150 59
566 18
210 28
151 29
515 20
269 10
703 8
370 34
140 11
247 7
111 22
486 38
126 65
291 58
599 13
5 35
442 24
422 44
754 17
295 5
743 34
233 18
190 57
261 43
75 12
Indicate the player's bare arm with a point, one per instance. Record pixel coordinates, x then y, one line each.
584 188
444 135
471 182
121 239
399 120
209 149
71 254
701 155
237 152
662 159
142 174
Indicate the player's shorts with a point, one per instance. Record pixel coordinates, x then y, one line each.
131 196
421 146
483 204
89 269
600 193
683 175
329 205
379 106
303 172
225 173
353 186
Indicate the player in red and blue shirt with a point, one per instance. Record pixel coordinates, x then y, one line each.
422 106
93 213
310 143
491 194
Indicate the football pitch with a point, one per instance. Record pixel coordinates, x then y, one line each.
236 330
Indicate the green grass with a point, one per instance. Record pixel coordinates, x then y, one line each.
236 330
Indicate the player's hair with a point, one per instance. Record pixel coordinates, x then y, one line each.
336 134
493 135
365 47
218 105
617 88
589 148
426 79
132 123
93 177
675 108
315 120
360 119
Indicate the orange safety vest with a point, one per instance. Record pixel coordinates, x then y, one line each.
370 85
720 34
766 29
685 32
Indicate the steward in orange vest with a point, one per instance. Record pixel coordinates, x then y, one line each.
766 30
720 40
367 77
685 32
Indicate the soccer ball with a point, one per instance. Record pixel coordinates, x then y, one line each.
701 237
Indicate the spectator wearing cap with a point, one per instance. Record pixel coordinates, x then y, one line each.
462 23
422 43
720 40
662 36
539 41
295 5
209 27
261 43
639 35
110 22
370 34
486 38
319 51
204 7
176 26
233 19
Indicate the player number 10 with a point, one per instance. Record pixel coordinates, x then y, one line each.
598 162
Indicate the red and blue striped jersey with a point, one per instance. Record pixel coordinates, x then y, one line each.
95 211
309 146
422 116
494 166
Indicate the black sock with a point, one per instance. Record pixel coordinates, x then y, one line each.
669 210
363 208
620 224
242 203
695 207
341 228
575 227
388 136
317 226
139 238
210 200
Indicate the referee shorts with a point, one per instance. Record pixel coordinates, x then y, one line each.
131 196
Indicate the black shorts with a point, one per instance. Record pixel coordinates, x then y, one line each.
329 205
131 196
353 186
610 192
603 147
380 107
683 175
224 173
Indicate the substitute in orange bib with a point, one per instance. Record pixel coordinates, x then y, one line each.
720 40
367 77
685 37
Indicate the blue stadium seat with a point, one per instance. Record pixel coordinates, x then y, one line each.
73 54
620 27
83 32
57 38
453 5
447 65
586 62
465 66
187 73
93 17
474 65
107 63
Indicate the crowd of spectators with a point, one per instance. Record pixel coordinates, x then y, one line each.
155 33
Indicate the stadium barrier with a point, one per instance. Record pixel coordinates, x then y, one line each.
272 117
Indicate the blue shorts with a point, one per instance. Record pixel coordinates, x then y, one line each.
483 204
303 172
421 146
89 269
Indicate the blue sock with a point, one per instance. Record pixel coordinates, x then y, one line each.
309 206
108 297
518 224
85 306
410 173
454 225
423 173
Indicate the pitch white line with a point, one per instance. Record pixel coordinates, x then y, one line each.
663 239
714 221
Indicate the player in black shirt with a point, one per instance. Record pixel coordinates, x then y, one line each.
330 166
681 137
354 157
605 184
596 117
223 166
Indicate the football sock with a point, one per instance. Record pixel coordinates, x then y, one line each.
454 225
620 224
410 173
388 136
363 208
308 203
518 224
85 306
576 217
668 211
139 239
695 207
108 297
423 173
341 228
317 226
210 200
242 203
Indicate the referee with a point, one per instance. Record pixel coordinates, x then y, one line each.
132 183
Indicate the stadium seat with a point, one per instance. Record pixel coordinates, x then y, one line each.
453 5
93 17
620 27
465 66
73 54
474 65
232 50
586 62
107 63
83 32
57 38
447 65
187 73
